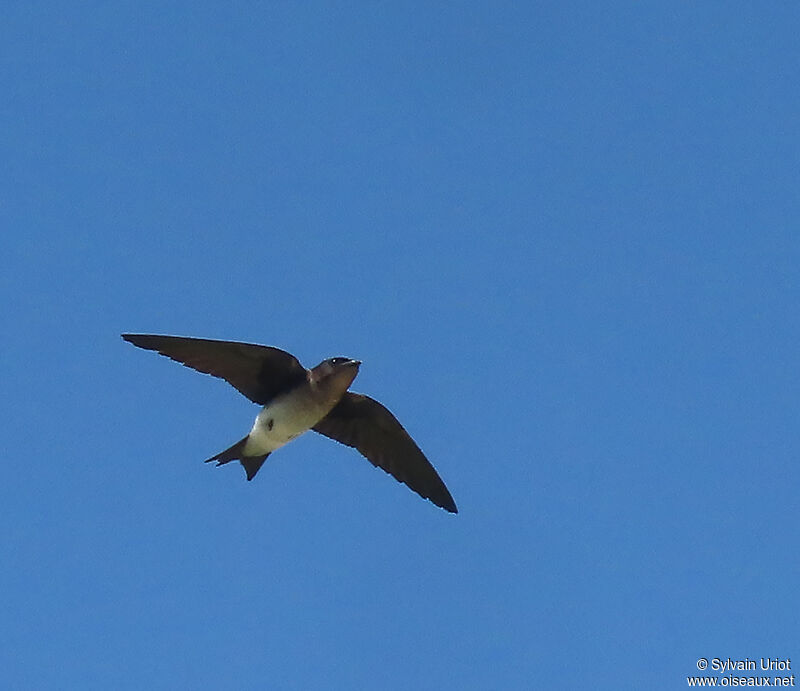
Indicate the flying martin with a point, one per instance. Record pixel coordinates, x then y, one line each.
295 400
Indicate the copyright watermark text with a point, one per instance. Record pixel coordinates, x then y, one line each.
744 672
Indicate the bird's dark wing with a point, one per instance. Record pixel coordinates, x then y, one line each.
366 425
259 372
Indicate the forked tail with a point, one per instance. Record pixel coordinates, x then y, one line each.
251 464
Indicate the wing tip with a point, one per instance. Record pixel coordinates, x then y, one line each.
139 340
447 504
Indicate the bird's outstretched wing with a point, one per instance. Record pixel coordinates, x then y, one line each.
259 372
363 423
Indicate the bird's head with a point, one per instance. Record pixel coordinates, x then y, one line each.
336 373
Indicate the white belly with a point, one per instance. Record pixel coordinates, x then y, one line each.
281 421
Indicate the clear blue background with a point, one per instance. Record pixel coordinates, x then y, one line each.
563 238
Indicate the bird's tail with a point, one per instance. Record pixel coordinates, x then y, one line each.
251 464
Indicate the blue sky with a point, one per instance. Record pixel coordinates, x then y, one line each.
564 241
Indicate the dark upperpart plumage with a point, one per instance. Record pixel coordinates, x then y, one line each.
263 374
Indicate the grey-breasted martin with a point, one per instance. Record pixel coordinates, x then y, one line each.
295 400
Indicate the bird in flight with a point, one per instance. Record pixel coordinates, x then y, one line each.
295 399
